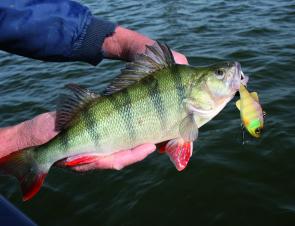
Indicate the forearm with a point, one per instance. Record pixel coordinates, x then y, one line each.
66 31
49 30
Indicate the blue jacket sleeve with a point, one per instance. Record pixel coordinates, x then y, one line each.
52 30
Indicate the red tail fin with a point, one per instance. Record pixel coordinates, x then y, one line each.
23 166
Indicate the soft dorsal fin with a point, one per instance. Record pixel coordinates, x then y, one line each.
238 104
69 105
255 96
155 58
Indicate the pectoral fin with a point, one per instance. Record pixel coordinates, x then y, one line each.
179 152
238 104
188 128
255 96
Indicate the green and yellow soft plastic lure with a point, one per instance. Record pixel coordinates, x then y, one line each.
251 112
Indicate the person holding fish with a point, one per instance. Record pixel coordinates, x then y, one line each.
65 31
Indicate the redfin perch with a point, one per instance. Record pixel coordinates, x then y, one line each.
152 101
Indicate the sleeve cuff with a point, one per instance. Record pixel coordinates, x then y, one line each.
89 48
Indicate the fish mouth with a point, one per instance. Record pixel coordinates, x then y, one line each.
239 77
244 79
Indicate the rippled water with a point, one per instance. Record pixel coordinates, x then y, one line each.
226 183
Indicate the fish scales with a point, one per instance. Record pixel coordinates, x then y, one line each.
130 113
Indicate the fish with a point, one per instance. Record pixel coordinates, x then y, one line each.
251 112
153 100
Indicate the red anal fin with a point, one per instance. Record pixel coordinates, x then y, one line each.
81 159
179 153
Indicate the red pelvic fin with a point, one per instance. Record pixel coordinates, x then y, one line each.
162 147
179 152
23 166
81 159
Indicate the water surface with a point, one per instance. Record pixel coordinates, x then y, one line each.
226 183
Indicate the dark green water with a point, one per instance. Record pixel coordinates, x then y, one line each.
226 183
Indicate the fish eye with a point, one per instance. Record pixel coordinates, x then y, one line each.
257 131
219 73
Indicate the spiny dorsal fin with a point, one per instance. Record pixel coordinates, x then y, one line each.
155 58
255 96
238 104
69 105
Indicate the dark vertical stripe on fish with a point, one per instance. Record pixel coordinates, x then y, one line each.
180 89
65 140
123 107
91 127
152 86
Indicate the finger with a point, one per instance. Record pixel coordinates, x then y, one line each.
119 159
179 58
126 158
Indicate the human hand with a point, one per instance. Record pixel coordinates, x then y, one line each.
29 133
125 44
116 161
41 129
